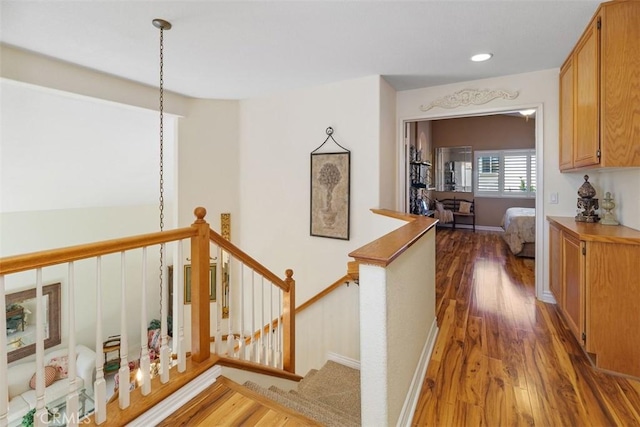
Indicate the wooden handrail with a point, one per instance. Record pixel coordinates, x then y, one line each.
246 365
248 260
317 297
30 261
387 248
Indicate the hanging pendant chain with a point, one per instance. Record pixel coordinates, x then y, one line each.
161 131
161 158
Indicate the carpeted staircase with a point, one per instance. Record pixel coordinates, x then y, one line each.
330 395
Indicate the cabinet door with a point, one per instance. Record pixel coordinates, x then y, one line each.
555 266
587 114
573 285
620 84
566 115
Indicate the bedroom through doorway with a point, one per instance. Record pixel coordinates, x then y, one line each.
487 160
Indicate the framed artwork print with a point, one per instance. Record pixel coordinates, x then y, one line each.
330 176
187 283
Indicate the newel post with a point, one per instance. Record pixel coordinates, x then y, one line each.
200 324
289 324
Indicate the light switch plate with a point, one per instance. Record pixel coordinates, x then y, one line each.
553 198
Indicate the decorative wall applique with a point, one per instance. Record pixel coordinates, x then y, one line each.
470 96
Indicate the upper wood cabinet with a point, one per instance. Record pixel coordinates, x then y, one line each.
600 92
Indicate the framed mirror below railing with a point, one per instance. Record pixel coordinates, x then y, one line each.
21 316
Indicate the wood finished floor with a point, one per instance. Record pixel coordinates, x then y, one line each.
226 403
504 358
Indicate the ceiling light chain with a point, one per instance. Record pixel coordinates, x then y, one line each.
162 25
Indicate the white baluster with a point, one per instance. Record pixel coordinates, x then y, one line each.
165 353
178 318
72 398
41 417
123 373
242 343
4 391
271 351
231 340
252 350
279 356
263 353
144 375
218 304
100 385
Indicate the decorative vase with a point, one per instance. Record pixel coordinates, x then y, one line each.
586 190
607 206
587 203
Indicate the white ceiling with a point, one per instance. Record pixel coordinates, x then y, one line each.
241 49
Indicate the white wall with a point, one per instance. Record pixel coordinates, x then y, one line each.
624 186
64 151
29 67
277 135
208 168
388 161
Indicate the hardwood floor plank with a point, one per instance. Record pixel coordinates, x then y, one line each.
504 358
427 408
473 381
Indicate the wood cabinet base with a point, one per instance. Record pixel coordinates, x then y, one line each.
597 288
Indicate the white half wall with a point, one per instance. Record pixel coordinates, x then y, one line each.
397 311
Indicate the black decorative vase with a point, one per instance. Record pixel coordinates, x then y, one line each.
587 203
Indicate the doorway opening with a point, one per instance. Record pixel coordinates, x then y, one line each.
504 167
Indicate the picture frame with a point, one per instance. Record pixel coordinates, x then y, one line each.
330 195
27 300
187 283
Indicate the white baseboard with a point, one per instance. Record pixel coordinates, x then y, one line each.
548 297
411 401
343 360
178 399
489 228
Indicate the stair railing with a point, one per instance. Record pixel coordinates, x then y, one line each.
136 248
254 297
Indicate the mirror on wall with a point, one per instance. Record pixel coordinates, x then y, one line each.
454 169
21 317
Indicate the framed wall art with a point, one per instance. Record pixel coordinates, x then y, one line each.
330 190
21 313
187 283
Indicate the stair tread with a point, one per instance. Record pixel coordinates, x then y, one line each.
352 416
326 417
294 395
336 385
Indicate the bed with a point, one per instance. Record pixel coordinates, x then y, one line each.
519 226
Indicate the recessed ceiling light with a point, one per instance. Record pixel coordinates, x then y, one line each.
479 57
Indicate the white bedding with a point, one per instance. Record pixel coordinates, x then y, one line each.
519 227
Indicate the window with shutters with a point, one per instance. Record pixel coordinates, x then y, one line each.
505 173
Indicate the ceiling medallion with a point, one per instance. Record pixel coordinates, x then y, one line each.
470 96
